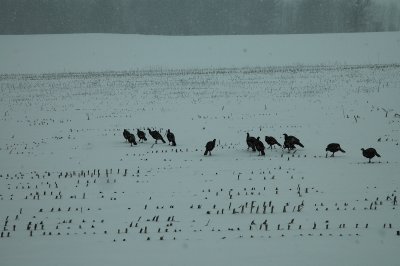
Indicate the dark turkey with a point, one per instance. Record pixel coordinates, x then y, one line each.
288 145
260 146
156 135
126 134
141 135
251 142
271 141
131 139
171 138
290 142
369 153
333 147
209 147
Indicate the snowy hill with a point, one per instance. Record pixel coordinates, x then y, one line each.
74 192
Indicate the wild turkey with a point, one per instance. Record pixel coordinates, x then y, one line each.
141 135
156 135
209 147
131 139
126 134
369 153
260 146
251 142
171 137
333 147
288 145
271 141
290 142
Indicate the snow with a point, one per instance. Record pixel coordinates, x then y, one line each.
63 158
105 52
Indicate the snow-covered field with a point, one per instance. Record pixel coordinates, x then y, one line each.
113 52
73 192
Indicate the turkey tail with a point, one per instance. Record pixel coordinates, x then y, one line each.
262 153
173 143
162 140
205 153
340 149
145 138
377 154
301 145
278 144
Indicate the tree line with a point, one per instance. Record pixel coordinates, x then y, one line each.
197 17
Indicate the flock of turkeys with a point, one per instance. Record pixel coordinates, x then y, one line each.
255 144
153 133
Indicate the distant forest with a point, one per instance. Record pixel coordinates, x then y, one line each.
197 17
